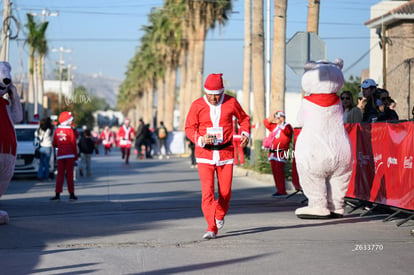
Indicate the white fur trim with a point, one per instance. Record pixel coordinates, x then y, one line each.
214 92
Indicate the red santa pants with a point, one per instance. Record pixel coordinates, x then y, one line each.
65 165
126 151
238 152
212 208
278 170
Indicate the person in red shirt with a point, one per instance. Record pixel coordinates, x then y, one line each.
238 150
64 139
125 135
283 133
209 125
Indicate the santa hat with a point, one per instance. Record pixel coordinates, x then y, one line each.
214 84
65 118
278 114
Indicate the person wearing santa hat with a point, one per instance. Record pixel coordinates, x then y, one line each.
209 125
107 138
278 152
125 135
64 139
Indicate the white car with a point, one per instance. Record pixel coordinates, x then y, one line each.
26 163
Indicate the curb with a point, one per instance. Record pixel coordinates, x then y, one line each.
264 178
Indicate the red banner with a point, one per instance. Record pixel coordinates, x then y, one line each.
383 163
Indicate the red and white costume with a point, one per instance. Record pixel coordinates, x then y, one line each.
238 150
279 152
64 139
10 112
125 136
107 138
204 118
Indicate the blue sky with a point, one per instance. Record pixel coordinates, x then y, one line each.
103 35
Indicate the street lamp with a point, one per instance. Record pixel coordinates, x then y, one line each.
61 50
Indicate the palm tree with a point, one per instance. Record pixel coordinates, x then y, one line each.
42 51
202 16
36 40
258 75
247 54
279 58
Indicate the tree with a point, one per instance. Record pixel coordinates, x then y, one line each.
353 84
258 76
277 99
247 67
81 104
37 42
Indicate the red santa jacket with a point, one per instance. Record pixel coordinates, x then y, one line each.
64 139
217 119
8 142
125 135
107 138
284 134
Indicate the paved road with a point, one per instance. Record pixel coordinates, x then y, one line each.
145 218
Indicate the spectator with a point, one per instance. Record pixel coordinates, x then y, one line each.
385 113
352 114
44 135
238 150
162 135
64 139
140 139
148 141
369 92
86 148
282 133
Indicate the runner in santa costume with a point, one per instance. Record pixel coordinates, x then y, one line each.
283 133
125 135
209 125
64 139
107 138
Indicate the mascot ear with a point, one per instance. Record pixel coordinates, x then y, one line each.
339 62
310 65
6 64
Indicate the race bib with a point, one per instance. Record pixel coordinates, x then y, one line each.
124 142
217 132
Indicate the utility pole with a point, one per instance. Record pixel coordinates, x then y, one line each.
5 31
313 16
61 62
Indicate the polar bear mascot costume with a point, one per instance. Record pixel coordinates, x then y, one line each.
10 113
323 149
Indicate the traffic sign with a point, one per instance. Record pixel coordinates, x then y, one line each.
301 48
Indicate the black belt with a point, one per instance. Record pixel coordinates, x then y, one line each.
217 147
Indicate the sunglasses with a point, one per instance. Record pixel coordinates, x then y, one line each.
347 98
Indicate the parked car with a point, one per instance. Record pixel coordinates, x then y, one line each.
26 163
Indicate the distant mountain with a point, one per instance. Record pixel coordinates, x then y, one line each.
99 86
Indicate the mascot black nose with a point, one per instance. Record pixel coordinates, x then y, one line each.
6 81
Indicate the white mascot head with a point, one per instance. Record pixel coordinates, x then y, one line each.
323 77
5 77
